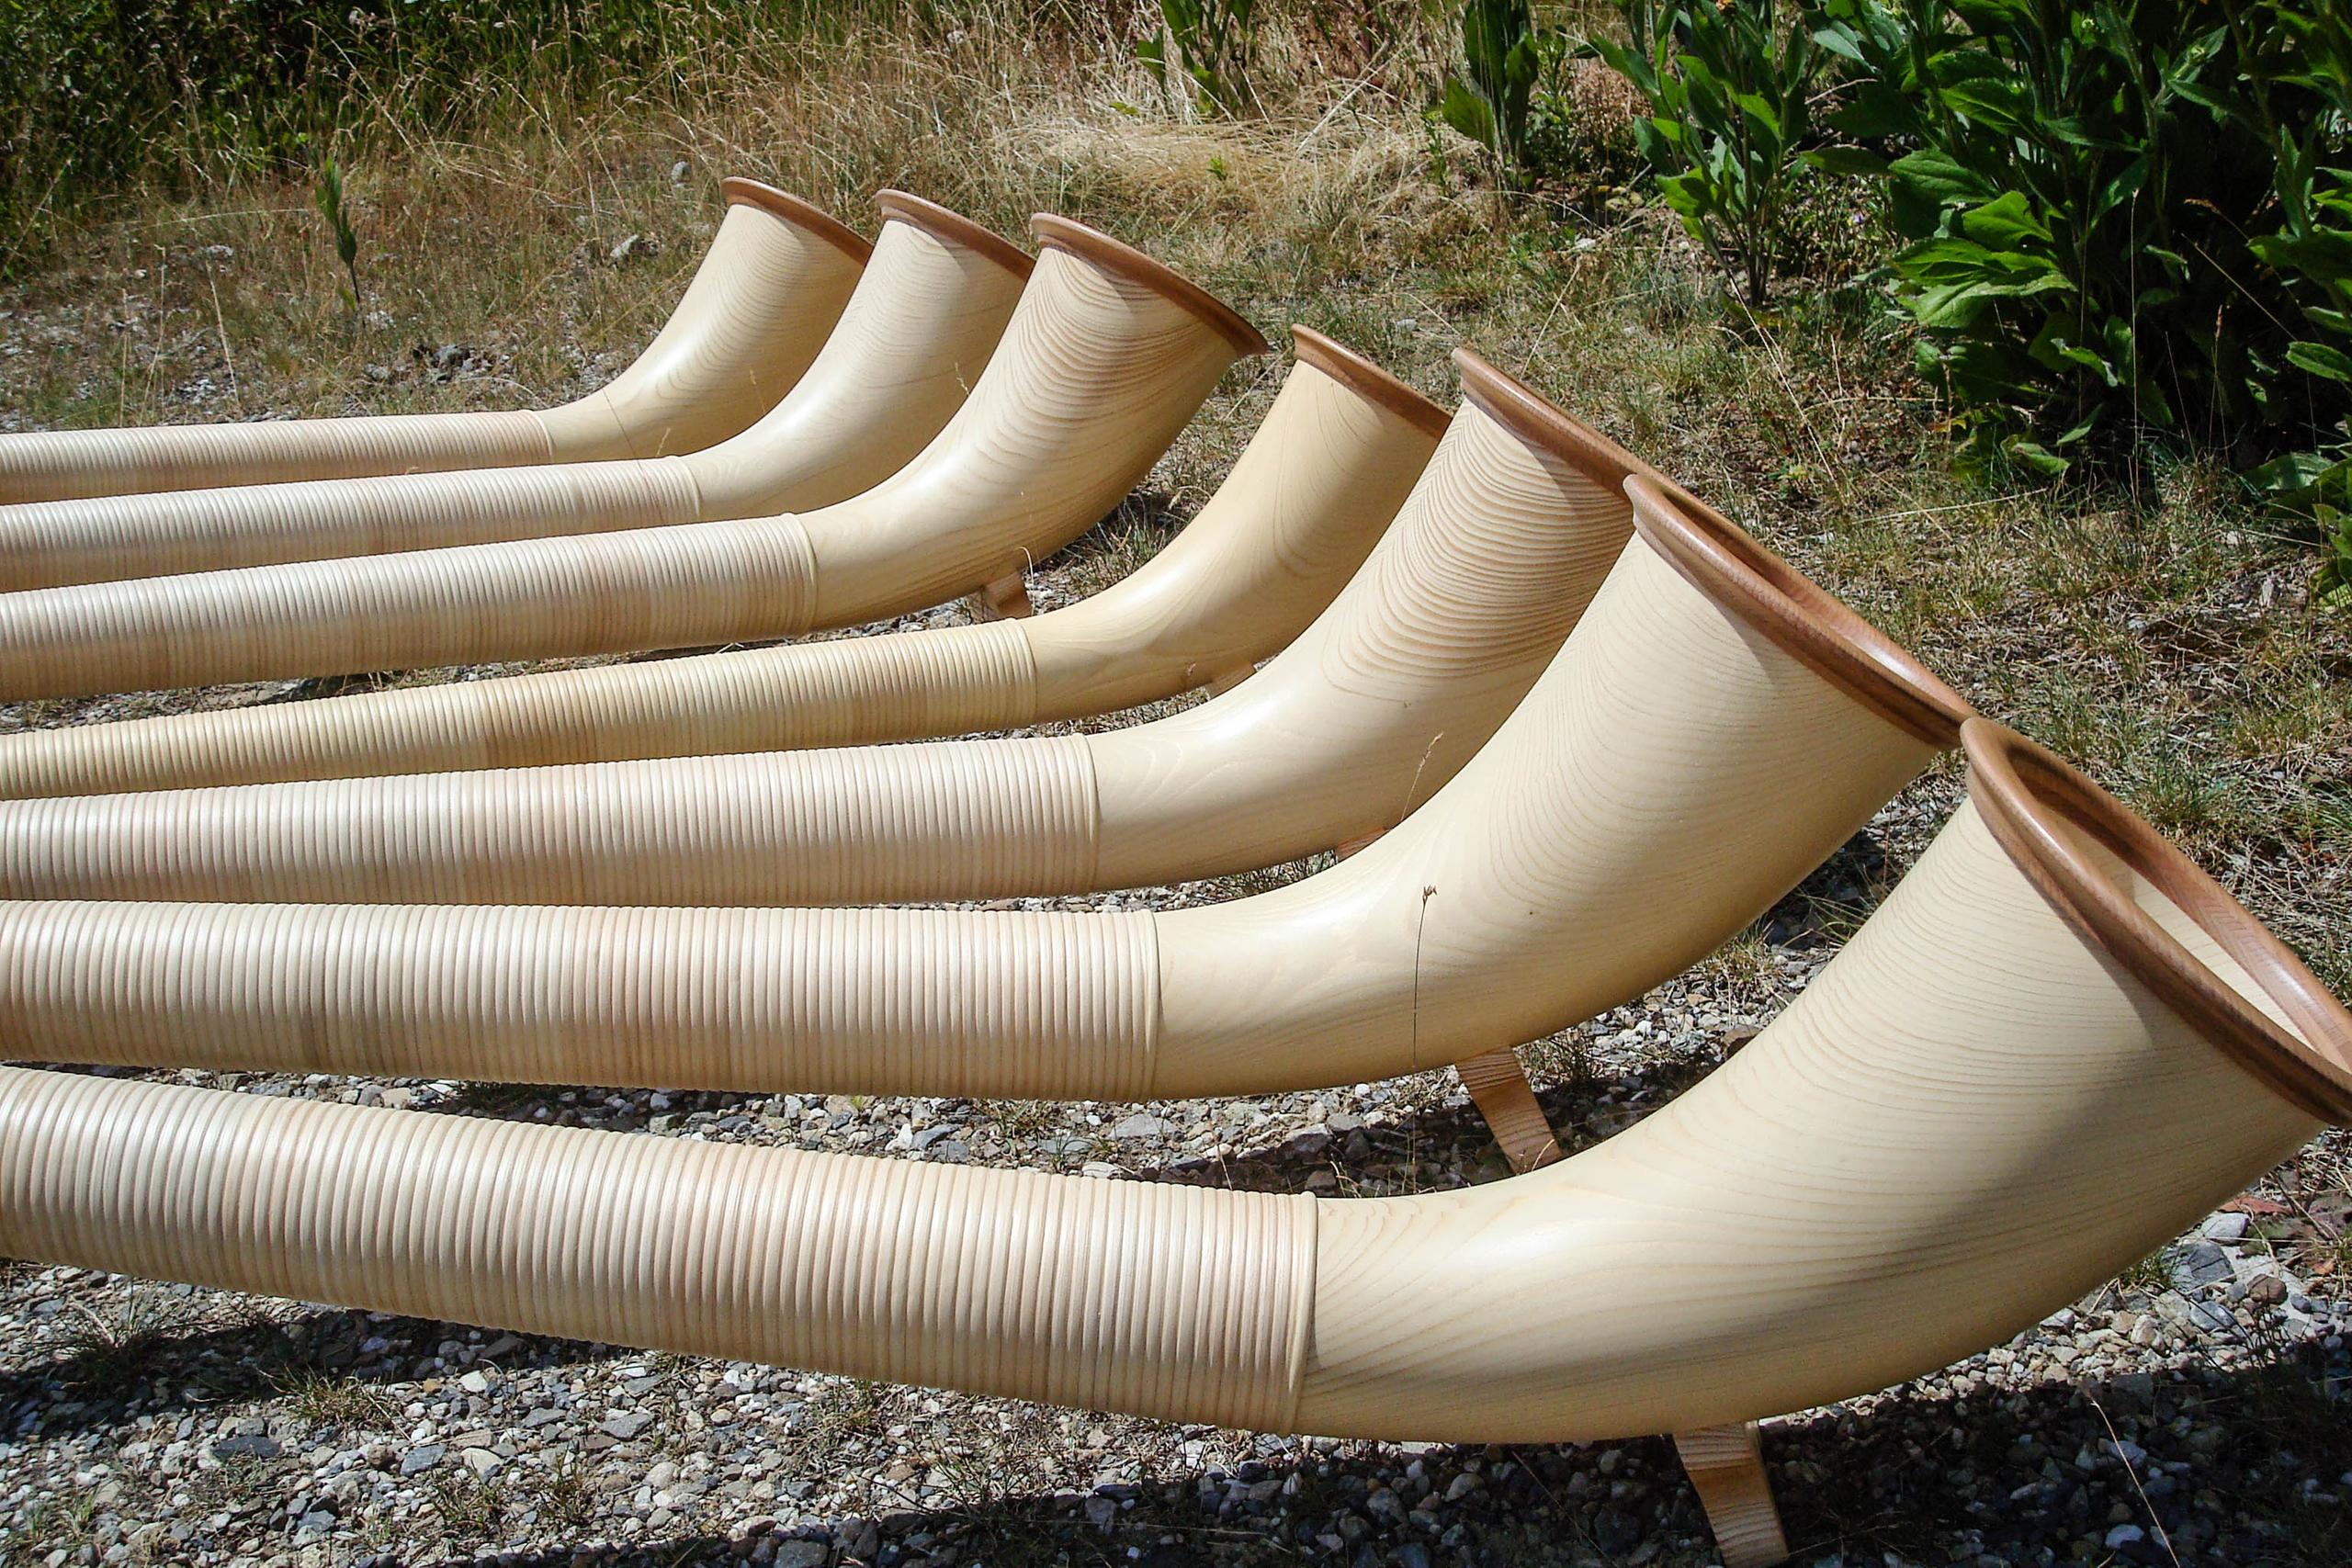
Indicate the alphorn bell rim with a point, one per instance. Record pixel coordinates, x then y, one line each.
918 212
1735 569
1058 233
743 191
1359 374
2030 797
1516 406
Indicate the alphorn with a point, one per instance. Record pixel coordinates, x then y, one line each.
1107 354
771 286
1461 604
2054 1046
1712 730
928 311
1308 498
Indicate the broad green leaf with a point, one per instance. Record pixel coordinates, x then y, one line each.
1857 161
2321 360
2003 222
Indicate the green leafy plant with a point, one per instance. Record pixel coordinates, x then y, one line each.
328 196
2120 220
1488 101
1730 90
2309 53
1209 43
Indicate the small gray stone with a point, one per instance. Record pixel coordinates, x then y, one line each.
247 1445
2210 1318
802 1554
1143 1124
421 1459
2199 1263
2224 1227
2125 1534
627 1424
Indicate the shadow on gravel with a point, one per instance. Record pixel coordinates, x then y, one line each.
2034 1478
114 1371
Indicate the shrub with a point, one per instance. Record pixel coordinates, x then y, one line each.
2122 220
1209 43
1499 51
1730 89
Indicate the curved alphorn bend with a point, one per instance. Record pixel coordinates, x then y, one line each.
1305 502
1614 831
1107 354
1511 528
1918 1158
774 282
927 312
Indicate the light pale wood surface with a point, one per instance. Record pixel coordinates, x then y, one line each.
1609 835
1727 1468
1976 1113
926 314
1311 494
1497 1085
1107 354
1381 700
774 281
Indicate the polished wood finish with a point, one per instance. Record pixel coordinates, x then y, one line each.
1103 361
776 278
2058 826
1304 504
1974 1114
928 312
1609 835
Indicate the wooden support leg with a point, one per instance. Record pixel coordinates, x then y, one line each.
1726 1467
1007 598
1499 1087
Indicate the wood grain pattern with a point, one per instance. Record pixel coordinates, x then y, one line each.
926 314
1497 1085
1304 504
1607 836
1420 657
1945 1137
1099 368
774 281
1726 1468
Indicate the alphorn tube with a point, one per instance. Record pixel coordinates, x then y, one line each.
2054 1046
1714 726
1107 354
1511 528
772 286
927 312
1311 494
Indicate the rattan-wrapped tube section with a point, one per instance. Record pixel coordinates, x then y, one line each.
1107 354
1608 836
775 279
1494 555
1310 496
1918 1159
927 312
